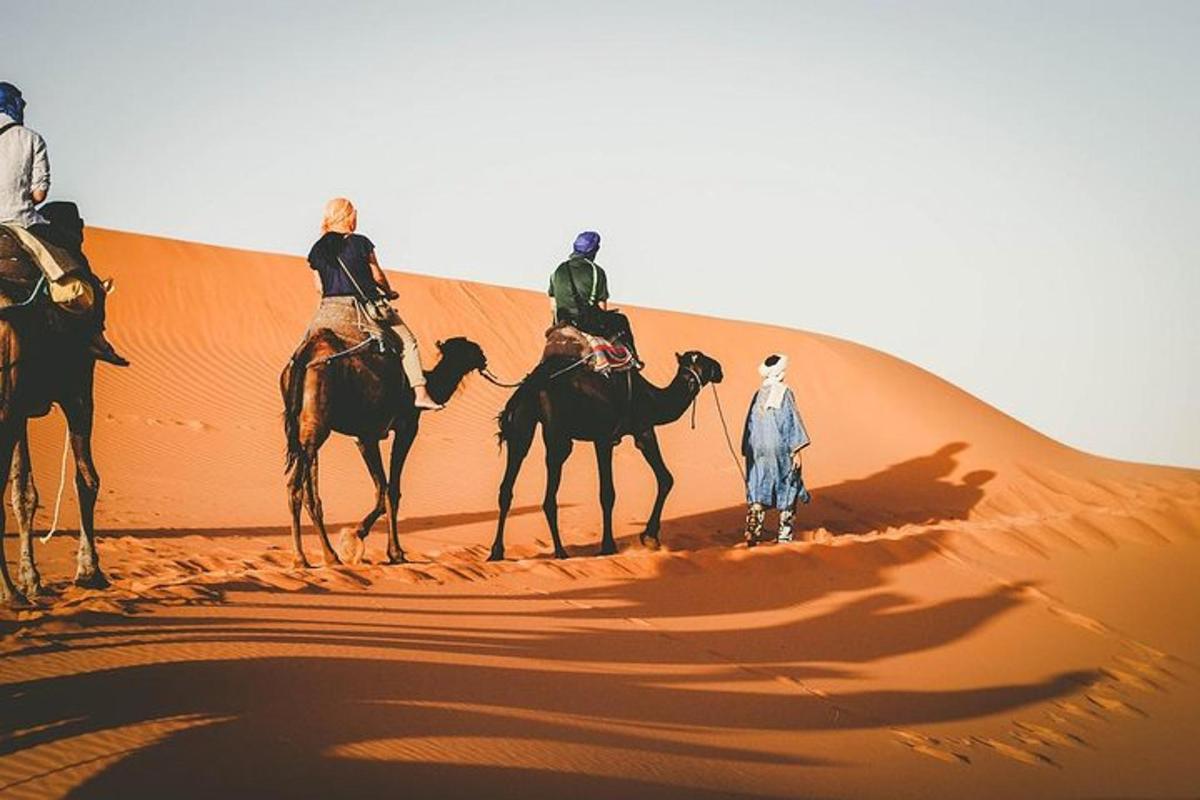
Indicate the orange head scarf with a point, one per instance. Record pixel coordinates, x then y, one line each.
340 216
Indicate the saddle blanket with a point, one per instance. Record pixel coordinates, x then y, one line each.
598 354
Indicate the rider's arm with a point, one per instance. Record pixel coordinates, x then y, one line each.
317 282
380 279
39 178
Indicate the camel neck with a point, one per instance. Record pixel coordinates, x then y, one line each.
671 401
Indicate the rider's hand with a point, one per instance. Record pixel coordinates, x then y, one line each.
391 294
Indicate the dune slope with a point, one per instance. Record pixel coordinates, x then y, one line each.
984 611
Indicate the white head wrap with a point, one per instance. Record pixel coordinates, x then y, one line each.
773 376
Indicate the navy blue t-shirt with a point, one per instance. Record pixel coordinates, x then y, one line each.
355 250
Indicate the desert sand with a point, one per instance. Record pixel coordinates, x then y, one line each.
979 611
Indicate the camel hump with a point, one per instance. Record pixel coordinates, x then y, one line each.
18 273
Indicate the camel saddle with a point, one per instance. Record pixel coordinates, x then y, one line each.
18 274
597 353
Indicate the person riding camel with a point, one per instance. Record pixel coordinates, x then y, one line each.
53 235
348 275
579 295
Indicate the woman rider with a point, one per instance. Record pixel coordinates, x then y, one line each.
347 272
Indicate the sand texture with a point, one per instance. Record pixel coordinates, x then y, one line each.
977 610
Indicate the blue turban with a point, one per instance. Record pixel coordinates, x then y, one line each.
11 102
587 243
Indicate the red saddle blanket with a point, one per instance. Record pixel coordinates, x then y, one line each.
597 353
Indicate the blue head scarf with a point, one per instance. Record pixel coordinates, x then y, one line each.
587 243
11 102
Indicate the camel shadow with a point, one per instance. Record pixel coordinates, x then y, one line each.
405 525
306 726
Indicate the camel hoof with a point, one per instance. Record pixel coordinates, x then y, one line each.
353 547
397 558
300 562
11 597
29 582
608 549
497 554
332 560
92 580
561 554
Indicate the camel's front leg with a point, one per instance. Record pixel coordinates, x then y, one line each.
24 503
608 495
87 489
647 443
401 444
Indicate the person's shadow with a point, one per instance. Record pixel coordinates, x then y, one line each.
914 492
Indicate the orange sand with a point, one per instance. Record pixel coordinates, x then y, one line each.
987 613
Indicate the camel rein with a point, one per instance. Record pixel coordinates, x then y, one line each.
492 379
721 414
62 482
364 344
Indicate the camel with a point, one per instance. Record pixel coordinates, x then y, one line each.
578 404
363 394
43 363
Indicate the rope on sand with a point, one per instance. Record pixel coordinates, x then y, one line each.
62 483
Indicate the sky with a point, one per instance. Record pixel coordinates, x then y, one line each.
1004 193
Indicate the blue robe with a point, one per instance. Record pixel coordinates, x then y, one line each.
770 437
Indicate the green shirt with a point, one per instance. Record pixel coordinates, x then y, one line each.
590 287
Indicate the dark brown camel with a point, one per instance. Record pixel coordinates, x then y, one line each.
43 362
365 395
577 404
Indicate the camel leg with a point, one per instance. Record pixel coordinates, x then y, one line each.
517 442
401 444
24 503
647 443
353 545
608 495
558 449
312 503
87 488
9 593
295 489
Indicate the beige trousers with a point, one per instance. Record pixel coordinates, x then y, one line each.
411 358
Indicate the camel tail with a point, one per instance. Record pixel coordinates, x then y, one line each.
522 399
293 399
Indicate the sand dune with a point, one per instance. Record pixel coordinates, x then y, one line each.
986 612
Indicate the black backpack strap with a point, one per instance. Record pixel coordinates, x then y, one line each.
9 125
585 311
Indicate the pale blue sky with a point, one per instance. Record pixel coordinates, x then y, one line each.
1004 193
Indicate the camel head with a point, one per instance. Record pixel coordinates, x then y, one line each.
463 354
708 370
